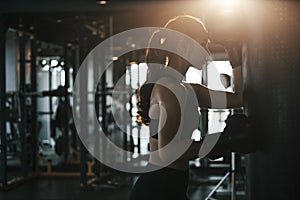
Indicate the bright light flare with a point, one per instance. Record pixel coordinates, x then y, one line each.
228 2
102 2
227 5
114 58
44 62
224 5
53 63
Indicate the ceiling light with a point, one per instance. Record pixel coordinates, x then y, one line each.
53 63
44 62
102 2
114 58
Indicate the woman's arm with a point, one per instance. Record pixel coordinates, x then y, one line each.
208 98
167 109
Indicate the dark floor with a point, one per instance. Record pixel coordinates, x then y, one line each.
61 188
69 187
115 185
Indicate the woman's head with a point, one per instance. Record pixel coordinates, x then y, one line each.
191 26
185 24
158 59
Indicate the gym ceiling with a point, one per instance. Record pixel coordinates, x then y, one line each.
57 20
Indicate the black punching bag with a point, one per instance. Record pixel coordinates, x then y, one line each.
271 71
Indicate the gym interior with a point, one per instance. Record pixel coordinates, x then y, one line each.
47 87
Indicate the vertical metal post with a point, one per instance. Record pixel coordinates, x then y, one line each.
203 126
3 175
233 167
33 102
67 65
204 111
138 128
103 103
22 88
67 105
125 97
103 117
50 98
139 139
83 107
97 110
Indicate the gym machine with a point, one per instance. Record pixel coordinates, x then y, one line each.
19 111
14 109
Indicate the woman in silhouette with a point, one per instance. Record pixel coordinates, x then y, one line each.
169 106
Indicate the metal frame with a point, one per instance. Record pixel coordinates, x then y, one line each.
97 167
66 107
230 173
83 107
3 175
33 79
22 125
22 88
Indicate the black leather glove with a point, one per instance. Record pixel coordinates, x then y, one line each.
238 136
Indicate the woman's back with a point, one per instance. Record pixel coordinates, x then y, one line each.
183 107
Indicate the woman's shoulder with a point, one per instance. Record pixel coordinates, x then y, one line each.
167 90
168 83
